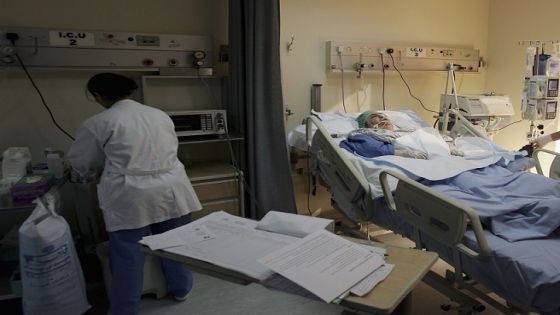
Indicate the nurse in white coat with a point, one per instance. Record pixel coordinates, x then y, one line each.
143 190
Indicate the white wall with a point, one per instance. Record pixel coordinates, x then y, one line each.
23 119
512 21
314 22
493 26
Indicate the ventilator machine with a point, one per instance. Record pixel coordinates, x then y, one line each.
478 115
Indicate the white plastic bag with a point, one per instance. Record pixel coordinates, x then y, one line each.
52 278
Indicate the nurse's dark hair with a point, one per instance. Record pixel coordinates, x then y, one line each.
110 85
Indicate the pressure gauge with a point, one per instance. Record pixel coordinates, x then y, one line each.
199 55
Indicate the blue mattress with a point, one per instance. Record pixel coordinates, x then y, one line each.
526 273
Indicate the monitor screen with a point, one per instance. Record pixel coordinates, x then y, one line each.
553 84
187 122
551 107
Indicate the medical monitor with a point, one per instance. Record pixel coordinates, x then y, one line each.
551 107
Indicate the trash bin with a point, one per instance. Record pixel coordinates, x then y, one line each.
154 282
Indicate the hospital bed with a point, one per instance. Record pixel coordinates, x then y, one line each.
554 167
526 273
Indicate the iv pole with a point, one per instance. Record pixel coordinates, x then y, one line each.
450 77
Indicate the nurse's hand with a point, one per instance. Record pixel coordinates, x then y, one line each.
541 141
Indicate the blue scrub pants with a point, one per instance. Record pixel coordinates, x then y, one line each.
127 267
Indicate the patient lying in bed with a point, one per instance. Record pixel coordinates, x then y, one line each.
513 205
378 135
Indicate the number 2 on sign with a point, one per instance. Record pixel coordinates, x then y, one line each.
66 38
416 52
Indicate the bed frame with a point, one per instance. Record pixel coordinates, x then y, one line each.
554 165
431 214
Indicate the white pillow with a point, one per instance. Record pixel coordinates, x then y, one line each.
405 119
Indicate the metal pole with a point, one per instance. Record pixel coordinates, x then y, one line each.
316 97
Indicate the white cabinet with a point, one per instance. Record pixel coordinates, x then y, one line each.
218 187
217 182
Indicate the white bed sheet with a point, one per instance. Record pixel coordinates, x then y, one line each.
340 124
478 152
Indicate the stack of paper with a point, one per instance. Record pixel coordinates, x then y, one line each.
322 263
235 243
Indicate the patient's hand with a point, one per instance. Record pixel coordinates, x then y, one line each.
452 148
411 154
456 152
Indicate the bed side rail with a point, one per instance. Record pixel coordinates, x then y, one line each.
433 213
554 166
347 180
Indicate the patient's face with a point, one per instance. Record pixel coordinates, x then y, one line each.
380 122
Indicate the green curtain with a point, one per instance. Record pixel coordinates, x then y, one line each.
256 106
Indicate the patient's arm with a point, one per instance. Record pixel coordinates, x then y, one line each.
369 147
366 146
452 148
411 154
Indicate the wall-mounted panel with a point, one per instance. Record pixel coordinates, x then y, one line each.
105 49
369 56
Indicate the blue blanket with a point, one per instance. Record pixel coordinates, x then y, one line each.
514 205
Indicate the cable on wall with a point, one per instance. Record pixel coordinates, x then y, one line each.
513 123
407 86
229 141
342 80
383 82
42 98
310 185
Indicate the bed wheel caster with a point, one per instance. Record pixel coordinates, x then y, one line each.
479 308
445 307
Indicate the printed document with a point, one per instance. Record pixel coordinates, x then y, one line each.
235 244
293 224
366 285
181 236
323 263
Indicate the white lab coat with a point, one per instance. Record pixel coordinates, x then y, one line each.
143 182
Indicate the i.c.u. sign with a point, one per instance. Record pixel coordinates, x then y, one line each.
416 52
71 38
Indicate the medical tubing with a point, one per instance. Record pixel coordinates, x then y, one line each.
364 91
453 85
504 127
309 183
342 80
231 153
551 123
238 173
212 95
462 78
383 82
408 87
42 98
